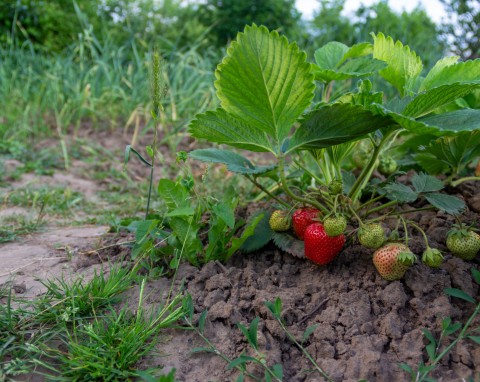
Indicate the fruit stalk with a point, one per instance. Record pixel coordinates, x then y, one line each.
366 173
288 191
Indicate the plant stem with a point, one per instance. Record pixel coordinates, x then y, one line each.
382 207
401 213
261 187
308 171
368 170
288 191
466 179
372 200
292 338
420 377
154 149
421 231
217 352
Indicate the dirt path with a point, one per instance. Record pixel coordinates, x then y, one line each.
56 252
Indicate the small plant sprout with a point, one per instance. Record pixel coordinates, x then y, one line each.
438 349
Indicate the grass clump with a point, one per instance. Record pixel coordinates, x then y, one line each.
76 332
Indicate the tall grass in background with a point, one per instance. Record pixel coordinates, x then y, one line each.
97 85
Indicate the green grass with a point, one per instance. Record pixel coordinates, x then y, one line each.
76 331
96 85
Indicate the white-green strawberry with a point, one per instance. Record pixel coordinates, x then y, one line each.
371 235
463 243
279 221
335 225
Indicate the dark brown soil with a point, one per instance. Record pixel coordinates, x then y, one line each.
366 325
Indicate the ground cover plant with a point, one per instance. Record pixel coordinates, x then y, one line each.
343 178
266 89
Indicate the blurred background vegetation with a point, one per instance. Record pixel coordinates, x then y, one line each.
69 65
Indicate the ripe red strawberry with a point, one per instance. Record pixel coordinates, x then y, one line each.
302 218
392 260
319 247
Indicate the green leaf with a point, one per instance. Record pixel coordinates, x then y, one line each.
451 122
184 211
241 360
187 236
454 292
235 162
429 336
476 275
261 236
221 127
334 124
448 73
332 62
400 192
450 153
475 339
202 320
275 307
278 371
426 183
308 332
289 244
249 231
404 66
129 148
225 213
406 368
448 203
173 194
436 70
434 98
265 81
455 121
453 328
330 55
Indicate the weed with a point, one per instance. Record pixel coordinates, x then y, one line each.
18 224
65 301
437 349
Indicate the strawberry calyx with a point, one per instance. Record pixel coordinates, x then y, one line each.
406 258
432 257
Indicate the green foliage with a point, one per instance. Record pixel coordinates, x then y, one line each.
276 87
404 66
415 26
192 227
428 187
234 162
227 17
450 154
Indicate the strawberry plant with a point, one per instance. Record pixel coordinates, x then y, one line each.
273 101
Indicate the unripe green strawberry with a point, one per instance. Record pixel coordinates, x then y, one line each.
432 257
392 260
387 165
463 243
335 226
371 235
335 187
279 221
362 154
